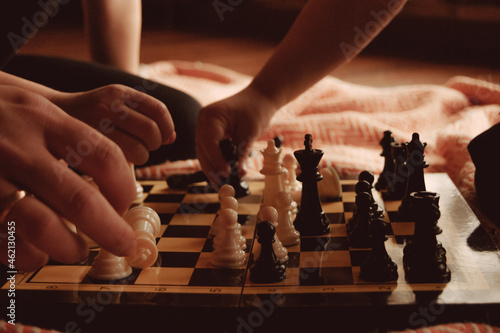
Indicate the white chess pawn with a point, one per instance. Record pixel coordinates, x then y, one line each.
228 252
232 203
108 267
226 191
295 187
270 214
286 231
146 224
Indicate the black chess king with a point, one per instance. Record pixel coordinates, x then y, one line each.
311 220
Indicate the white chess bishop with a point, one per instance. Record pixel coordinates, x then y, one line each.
272 171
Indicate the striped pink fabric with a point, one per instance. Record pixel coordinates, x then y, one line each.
347 120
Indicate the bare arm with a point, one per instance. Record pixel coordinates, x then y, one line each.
114 30
326 34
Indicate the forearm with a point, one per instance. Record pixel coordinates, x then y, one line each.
325 35
114 31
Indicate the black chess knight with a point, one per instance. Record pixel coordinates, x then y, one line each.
310 220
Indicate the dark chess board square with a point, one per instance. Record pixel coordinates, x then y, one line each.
165 218
348 187
187 231
349 206
147 188
336 218
393 216
319 276
358 256
223 277
243 219
85 262
196 208
293 260
324 244
201 189
166 197
178 259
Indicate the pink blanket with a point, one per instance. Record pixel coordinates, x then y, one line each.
347 120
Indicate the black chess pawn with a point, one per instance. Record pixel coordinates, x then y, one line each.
396 184
310 220
358 227
378 266
364 186
424 257
230 154
388 170
415 164
267 268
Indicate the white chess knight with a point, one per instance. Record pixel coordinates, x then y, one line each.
270 214
228 251
272 171
286 231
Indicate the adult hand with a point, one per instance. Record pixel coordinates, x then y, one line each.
35 135
137 122
242 117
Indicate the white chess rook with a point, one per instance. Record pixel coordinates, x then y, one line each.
146 224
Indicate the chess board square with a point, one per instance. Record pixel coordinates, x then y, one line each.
248 208
146 188
336 218
165 218
164 197
349 206
187 231
198 208
338 230
193 219
348 187
403 228
163 207
219 277
312 276
180 244
293 259
201 199
325 259
175 276
178 259
358 256
332 207
252 198
349 196
85 262
200 189
324 244
60 274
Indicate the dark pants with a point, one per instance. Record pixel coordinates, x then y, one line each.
72 76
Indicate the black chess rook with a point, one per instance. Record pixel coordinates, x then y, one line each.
310 220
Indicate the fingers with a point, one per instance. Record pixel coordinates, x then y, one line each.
209 132
155 110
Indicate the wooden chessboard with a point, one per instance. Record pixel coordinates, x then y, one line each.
322 272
